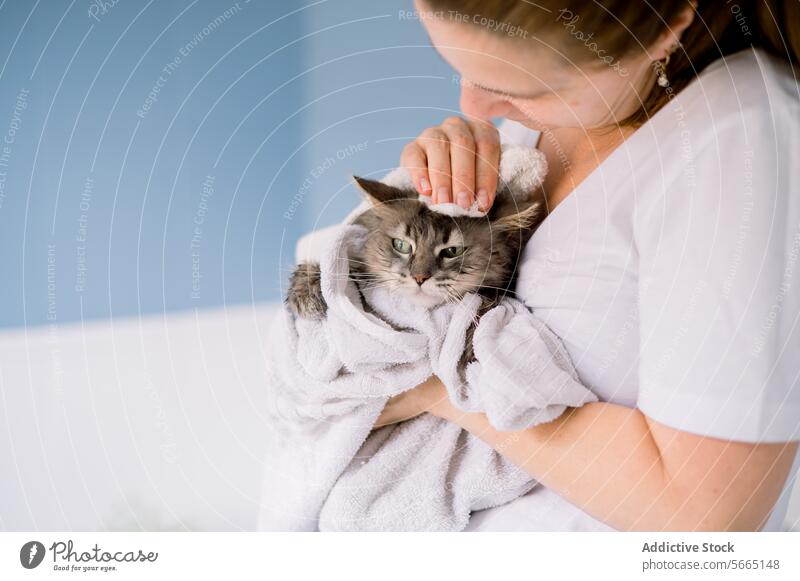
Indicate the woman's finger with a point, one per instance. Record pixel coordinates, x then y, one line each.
437 151
487 162
415 161
462 160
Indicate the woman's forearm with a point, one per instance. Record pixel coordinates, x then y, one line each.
396 410
409 404
626 469
603 458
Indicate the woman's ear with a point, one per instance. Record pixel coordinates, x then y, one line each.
379 193
668 40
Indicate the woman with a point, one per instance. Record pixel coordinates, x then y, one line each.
667 261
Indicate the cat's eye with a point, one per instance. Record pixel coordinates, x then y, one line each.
401 246
453 251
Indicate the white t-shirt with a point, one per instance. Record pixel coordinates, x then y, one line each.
672 274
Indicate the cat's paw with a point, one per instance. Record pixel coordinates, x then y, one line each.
468 356
304 297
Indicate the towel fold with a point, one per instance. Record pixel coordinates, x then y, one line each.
329 379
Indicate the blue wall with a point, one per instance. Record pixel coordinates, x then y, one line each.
166 155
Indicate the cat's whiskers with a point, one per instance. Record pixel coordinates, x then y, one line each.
369 278
353 260
378 284
500 288
349 277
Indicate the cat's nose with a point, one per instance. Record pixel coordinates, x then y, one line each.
420 278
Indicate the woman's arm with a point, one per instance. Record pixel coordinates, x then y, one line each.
636 474
412 403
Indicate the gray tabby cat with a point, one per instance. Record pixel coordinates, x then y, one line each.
430 257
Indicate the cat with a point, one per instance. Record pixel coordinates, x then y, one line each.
428 256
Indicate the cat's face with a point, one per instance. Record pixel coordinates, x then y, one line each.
428 257
432 258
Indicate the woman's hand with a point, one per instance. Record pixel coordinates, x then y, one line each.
455 162
430 396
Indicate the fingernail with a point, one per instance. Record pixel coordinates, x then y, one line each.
463 199
483 199
424 185
443 196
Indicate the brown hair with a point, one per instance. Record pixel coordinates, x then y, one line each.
621 27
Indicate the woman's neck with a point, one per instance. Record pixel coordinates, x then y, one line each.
573 154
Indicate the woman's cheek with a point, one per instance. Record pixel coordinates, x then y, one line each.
539 115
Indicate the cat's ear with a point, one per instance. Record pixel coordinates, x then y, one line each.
509 216
380 193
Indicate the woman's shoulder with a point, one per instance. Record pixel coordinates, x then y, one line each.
721 157
748 101
746 87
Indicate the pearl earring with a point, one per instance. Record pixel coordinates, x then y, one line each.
661 67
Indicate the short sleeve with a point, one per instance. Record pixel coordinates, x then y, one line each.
720 287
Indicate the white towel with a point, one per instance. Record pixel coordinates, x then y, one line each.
328 381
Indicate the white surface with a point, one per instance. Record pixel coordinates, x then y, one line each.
147 424
670 272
